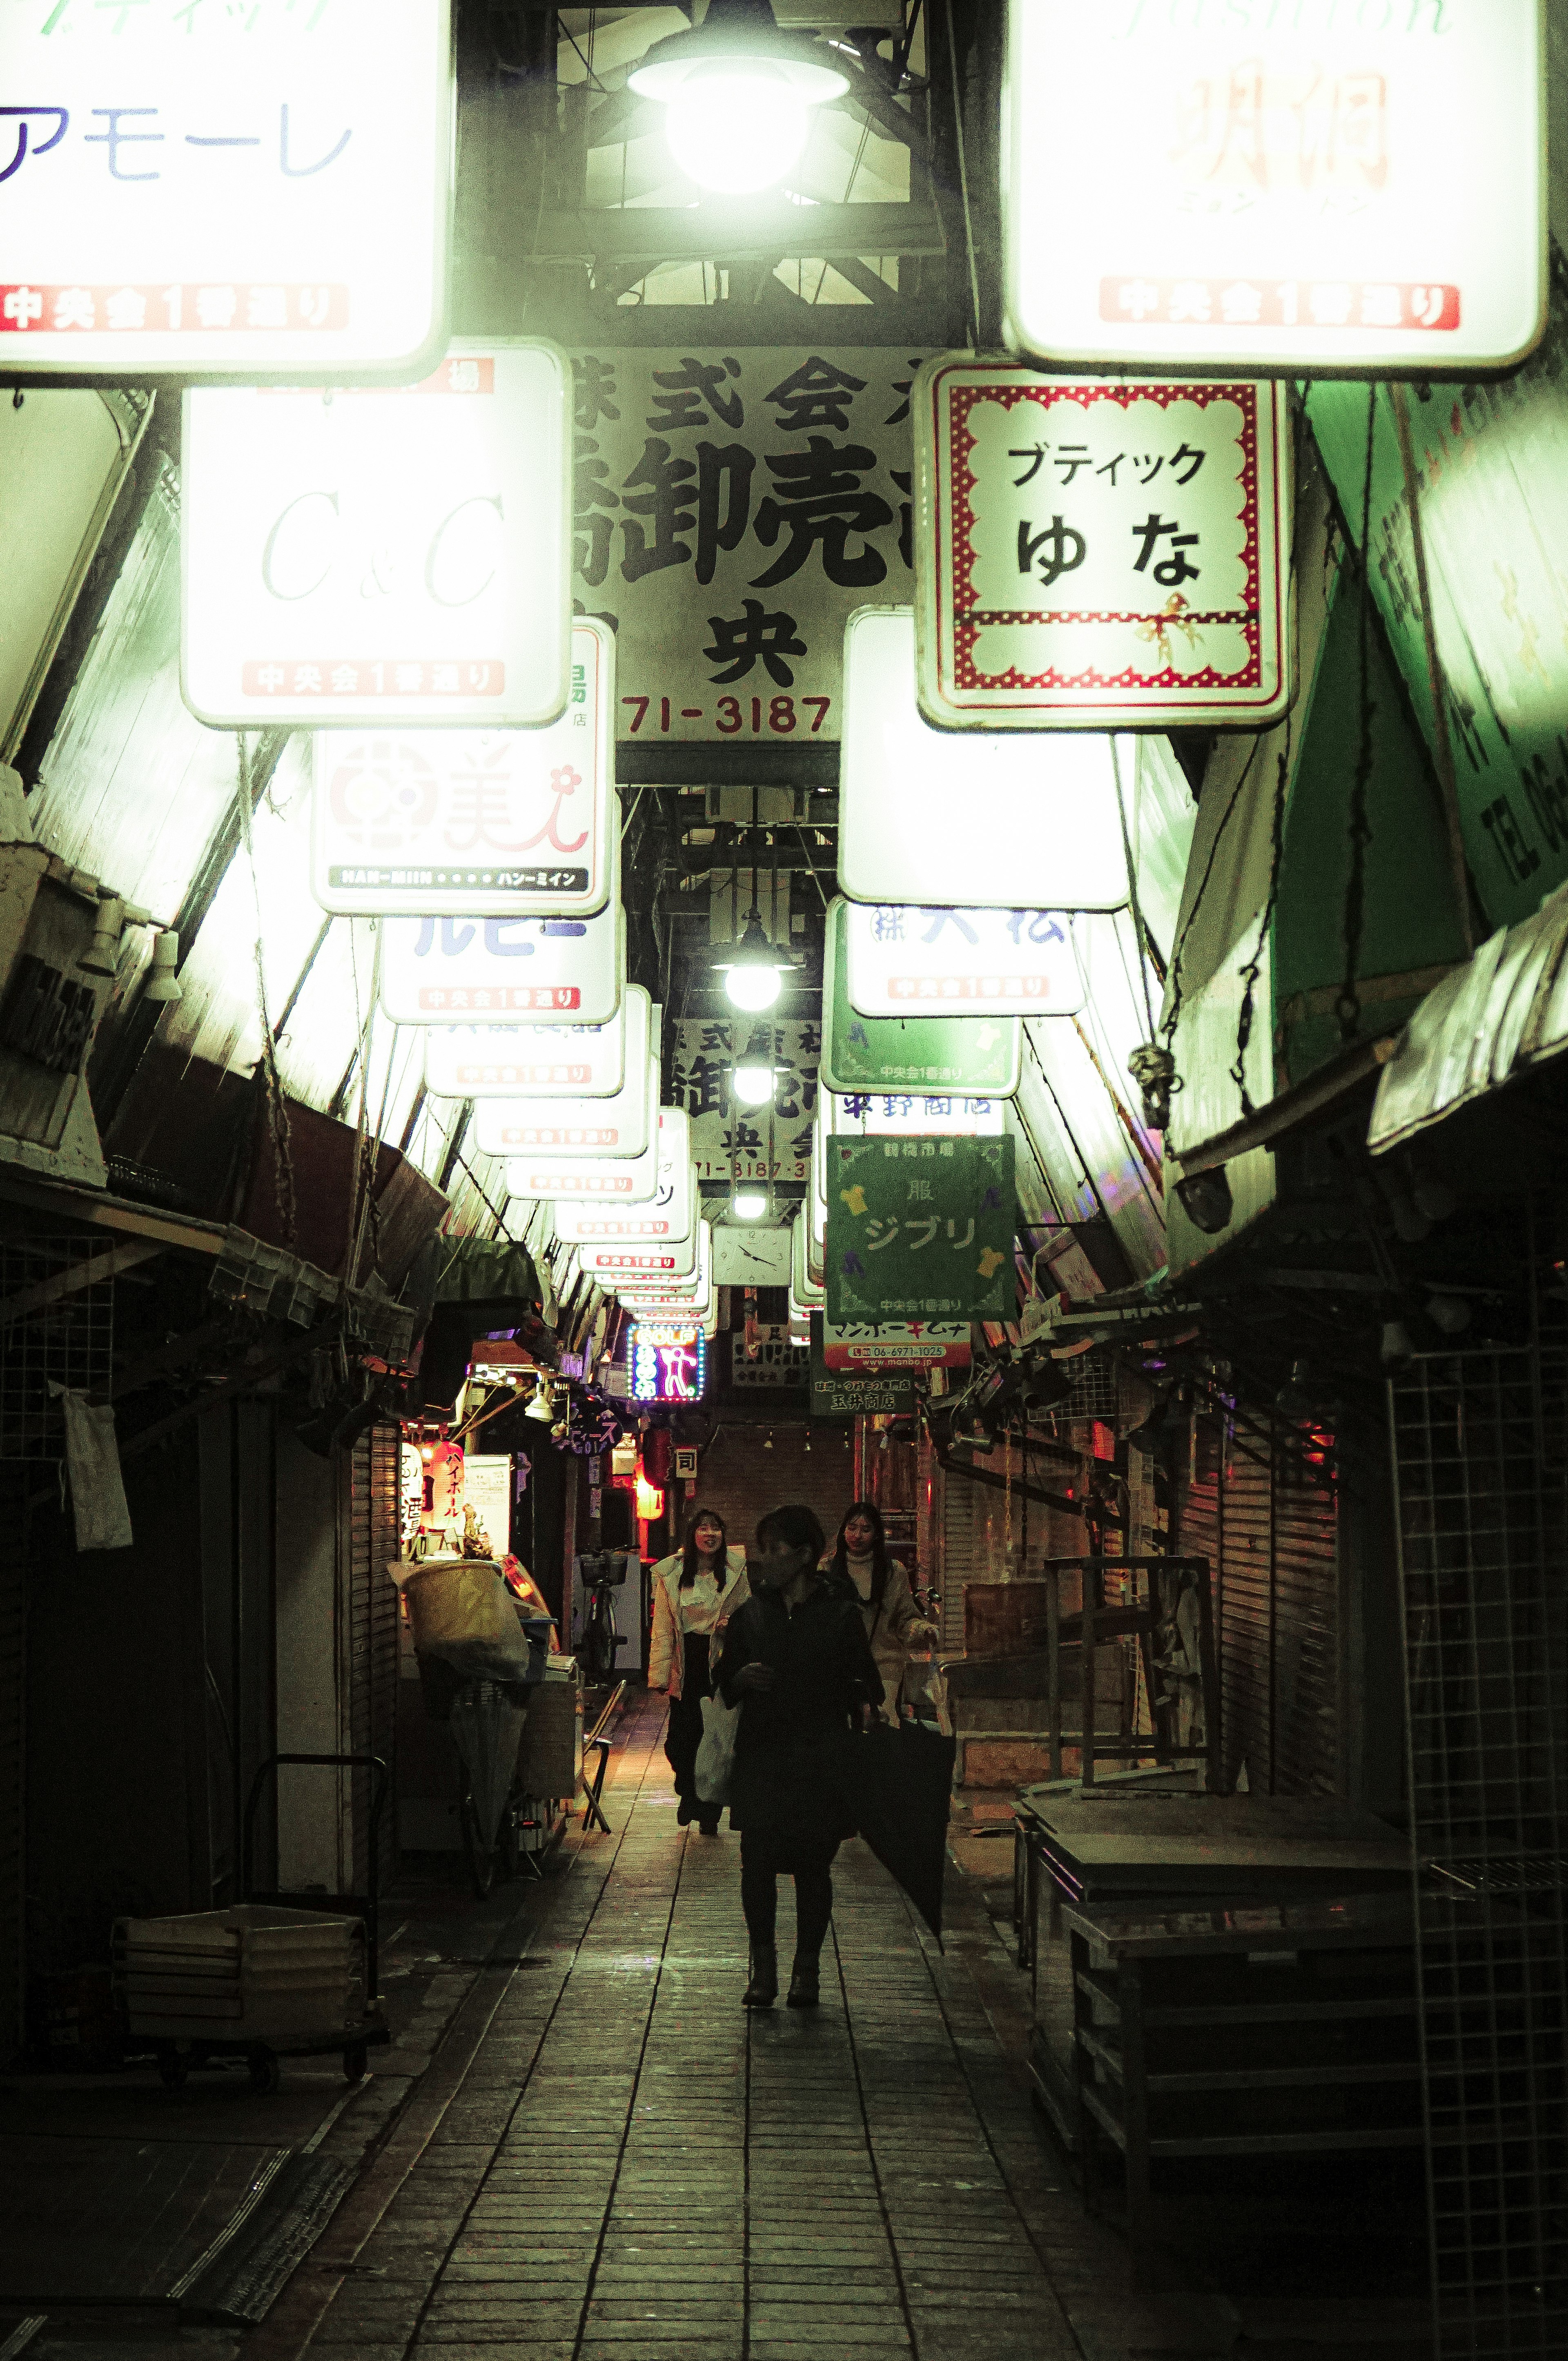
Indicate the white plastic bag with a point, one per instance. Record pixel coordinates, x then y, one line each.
716 1754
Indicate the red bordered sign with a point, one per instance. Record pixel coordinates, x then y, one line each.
1099 553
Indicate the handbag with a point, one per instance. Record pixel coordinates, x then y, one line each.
716 1754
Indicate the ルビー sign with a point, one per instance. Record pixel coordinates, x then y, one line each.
920 1229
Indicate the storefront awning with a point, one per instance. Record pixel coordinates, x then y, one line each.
1504 1012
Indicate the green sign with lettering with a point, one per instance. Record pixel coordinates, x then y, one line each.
972 1056
920 1229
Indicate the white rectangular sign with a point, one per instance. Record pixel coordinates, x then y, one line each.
473 823
533 974
1322 187
1100 553
540 1061
1007 962
624 1124
996 821
655 1265
673 1212
590 1179
908 1115
217 189
810 1294
676 1295
354 556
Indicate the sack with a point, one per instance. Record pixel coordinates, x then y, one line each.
716 1754
923 1695
92 1461
461 1612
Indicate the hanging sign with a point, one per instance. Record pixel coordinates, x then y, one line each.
1104 553
618 1262
996 820
907 1114
731 509
473 823
543 1061
809 1294
920 1229
623 1125
212 190
741 1143
394 556
972 1056
671 1215
895 1345
870 1394
751 1254
568 1175
667 1364
696 1294
995 962
529 973
1322 187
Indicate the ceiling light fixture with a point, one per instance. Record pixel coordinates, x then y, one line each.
753 970
756 1076
738 95
543 1406
750 1204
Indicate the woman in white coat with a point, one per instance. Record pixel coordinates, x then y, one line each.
861 1561
696 1591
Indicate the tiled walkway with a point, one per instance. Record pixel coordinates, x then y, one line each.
628 2166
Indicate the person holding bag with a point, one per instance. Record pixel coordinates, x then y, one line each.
797 1660
861 1562
696 1591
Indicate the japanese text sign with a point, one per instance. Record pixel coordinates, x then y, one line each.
776 1365
692 1296
568 1175
731 509
742 1143
809 1294
473 823
898 1114
195 186
868 1395
1323 187
1001 962
524 1060
616 1262
382 556
671 1215
992 820
920 1229
968 1056
533 974
667 1363
621 1126
895 1345
1101 553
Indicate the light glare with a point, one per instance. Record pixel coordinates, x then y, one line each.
752 988
736 129
753 1084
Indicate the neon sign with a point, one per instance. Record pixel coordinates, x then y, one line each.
668 1364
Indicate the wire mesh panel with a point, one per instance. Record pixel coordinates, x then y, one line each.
56 1326
1481 1466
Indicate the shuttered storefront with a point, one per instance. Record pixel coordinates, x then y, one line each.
373 1634
14 1562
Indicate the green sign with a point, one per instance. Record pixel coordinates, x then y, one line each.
920 1229
972 1056
846 1393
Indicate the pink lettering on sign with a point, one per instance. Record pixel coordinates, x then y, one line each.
1281 303
155 311
327 677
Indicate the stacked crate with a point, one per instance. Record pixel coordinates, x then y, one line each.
249 1973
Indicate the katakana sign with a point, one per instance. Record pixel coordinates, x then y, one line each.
920 1229
996 963
531 974
671 1215
732 509
1322 187
869 1344
473 823
1101 553
542 1061
228 187
957 1057
742 1143
621 1126
997 820
386 555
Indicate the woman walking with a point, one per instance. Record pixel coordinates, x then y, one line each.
796 1659
894 1623
696 1591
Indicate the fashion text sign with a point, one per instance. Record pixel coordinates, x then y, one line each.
1098 553
920 1229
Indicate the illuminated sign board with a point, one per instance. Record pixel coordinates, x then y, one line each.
668 1365
623 1125
222 190
902 959
473 823
621 1262
530 974
672 1214
567 1176
896 1345
1101 553
976 1056
397 555
1322 187
996 820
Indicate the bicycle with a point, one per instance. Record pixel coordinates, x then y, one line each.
603 1571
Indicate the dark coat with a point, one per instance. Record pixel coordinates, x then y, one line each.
791 1744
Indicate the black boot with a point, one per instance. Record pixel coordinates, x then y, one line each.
707 1825
763 1988
802 1987
684 1814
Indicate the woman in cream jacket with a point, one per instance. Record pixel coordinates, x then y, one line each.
860 1560
696 1591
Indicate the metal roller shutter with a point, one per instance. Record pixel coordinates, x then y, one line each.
1308 1701
1245 1610
14 1562
373 1634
